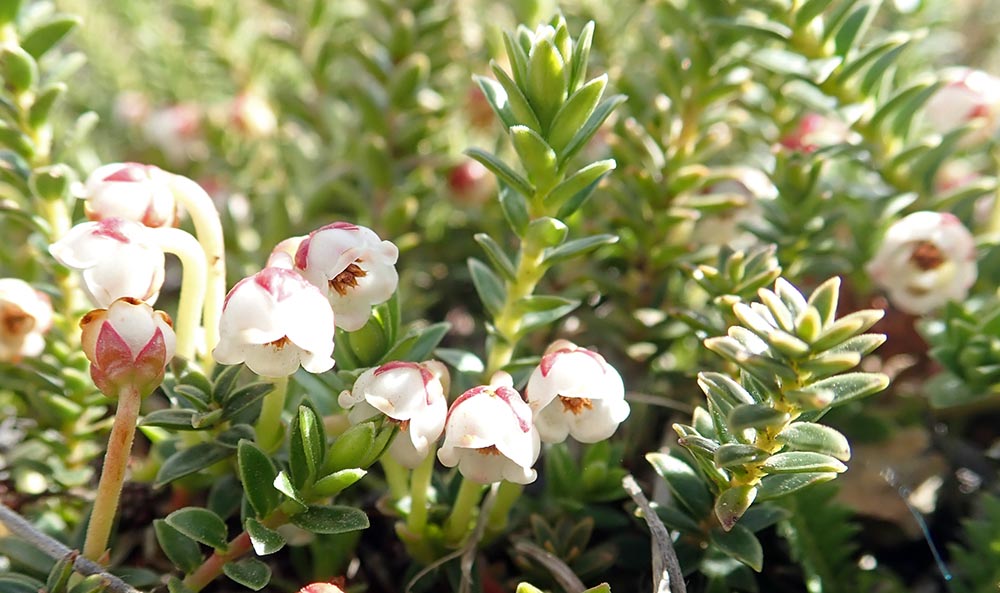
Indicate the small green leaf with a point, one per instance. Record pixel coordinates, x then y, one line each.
740 543
41 39
809 10
577 247
546 231
350 448
759 416
336 482
684 483
263 539
249 572
846 327
496 96
776 486
244 397
519 107
283 484
306 447
572 193
194 396
503 171
539 310
201 525
854 27
500 260
18 68
602 588
733 455
9 10
463 360
206 419
581 54
42 107
587 131
173 418
575 112
225 381
802 462
807 436
515 210
59 575
488 285
257 473
725 389
851 386
523 588
548 81
18 583
181 550
189 461
537 158
732 503
331 520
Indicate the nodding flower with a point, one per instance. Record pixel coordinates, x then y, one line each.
352 266
25 315
275 321
140 193
489 434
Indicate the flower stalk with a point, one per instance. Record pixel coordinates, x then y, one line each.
459 522
268 429
193 285
420 484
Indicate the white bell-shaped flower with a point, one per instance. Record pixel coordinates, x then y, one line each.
274 321
412 394
352 266
118 258
489 434
968 96
926 260
25 315
575 392
283 254
132 191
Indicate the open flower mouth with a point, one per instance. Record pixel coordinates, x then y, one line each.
347 279
15 321
491 450
279 343
576 405
926 256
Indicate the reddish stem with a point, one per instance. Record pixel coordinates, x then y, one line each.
211 568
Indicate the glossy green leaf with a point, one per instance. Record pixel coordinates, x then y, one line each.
283 484
489 286
807 436
845 328
537 158
225 381
581 55
590 127
42 107
733 455
776 486
732 503
350 448
496 96
336 482
244 397
515 210
573 192
854 27
189 461
575 112
173 418
759 416
546 232
18 68
9 10
257 473
540 310
500 260
263 539
684 483
809 10
249 572
802 462
503 171
578 247
201 525
59 576
740 543
181 550
331 520
519 107
17 583
548 81
851 386
44 37
306 447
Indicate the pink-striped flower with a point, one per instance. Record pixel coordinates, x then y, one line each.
815 131
489 434
575 392
352 266
117 257
926 260
140 193
413 394
128 346
25 315
275 321
968 96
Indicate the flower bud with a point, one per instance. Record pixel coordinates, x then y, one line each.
25 314
815 131
926 260
575 392
334 586
175 130
283 254
117 257
352 266
274 321
968 96
132 191
470 183
489 434
412 394
128 346
252 115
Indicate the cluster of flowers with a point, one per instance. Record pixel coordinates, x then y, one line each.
492 432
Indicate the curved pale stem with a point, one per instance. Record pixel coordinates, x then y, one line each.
268 427
459 522
208 227
192 299
109 488
420 484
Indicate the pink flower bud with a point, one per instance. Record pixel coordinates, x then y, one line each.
575 392
140 193
471 183
175 130
489 434
968 96
334 586
25 314
926 260
274 321
352 266
117 257
413 394
815 131
128 346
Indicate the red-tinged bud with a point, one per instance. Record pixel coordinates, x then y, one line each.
334 586
471 183
128 346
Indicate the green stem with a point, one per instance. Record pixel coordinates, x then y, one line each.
208 227
507 494
460 520
109 488
420 484
268 427
192 297
992 224
395 476
530 270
